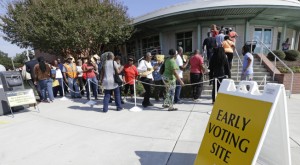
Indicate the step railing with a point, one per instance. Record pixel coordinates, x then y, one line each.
239 62
262 46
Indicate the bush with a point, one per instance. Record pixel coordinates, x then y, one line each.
295 69
292 55
279 53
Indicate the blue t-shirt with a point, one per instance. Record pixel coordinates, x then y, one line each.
155 73
245 63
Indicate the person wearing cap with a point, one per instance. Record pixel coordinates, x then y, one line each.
145 70
130 75
232 35
220 38
70 76
169 78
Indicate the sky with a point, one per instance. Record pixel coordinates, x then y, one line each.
135 8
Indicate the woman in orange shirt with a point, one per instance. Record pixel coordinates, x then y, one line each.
228 46
131 73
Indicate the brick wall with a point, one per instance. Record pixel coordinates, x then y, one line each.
282 78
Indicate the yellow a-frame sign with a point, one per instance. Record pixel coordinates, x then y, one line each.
247 127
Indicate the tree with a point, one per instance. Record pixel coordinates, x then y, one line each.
19 59
58 27
5 60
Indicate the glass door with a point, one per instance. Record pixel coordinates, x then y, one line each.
264 35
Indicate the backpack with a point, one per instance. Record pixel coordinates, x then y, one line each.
162 69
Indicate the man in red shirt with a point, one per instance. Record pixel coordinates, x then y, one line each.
196 74
232 35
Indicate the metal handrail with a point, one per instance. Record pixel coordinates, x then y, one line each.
239 62
277 58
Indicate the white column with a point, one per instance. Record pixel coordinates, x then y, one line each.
297 40
247 31
283 38
199 43
161 42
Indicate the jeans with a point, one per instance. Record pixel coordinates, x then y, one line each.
50 89
107 94
43 88
197 88
94 85
177 92
147 88
74 90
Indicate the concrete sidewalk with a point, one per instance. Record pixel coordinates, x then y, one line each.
71 132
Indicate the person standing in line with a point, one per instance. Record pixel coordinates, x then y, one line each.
196 74
219 69
70 76
169 77
108 82
247 73
131 73
209 44
159 90
232 35
220 38
145 69
42 77
119 66
30 69
182 66
61 67
80 76
59 78
214 31
285 45
228 46
89 68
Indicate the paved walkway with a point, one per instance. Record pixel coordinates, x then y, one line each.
71 132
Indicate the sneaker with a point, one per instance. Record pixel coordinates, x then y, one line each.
120 109
172 109
150 104
165 106
197 100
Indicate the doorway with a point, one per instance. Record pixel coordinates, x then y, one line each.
266 36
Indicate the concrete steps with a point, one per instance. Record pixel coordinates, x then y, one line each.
259 74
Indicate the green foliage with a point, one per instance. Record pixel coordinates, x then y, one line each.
279 53
5 60
292 55
295 69
20 59
63 26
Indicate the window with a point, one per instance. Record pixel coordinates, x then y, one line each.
185 40
150 44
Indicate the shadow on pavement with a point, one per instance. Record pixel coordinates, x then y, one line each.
161 158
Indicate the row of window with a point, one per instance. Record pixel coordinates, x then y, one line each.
152 44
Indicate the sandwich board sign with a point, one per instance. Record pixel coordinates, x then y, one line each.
247 127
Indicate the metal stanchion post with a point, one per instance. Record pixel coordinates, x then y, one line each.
135 108
216 87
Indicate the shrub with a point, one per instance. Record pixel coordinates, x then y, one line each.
279 53
295 69
292 55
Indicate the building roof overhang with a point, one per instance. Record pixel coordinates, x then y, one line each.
281 11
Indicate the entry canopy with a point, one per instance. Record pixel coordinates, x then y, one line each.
274 11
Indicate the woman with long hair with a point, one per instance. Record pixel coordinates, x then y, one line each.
219 69
42 78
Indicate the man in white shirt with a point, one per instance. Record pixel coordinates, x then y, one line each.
182 66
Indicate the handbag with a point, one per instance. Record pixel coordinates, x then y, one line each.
116 76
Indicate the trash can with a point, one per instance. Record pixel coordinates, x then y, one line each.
251 44
9 81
